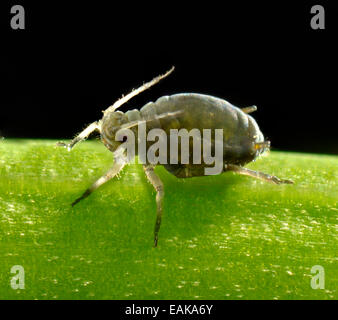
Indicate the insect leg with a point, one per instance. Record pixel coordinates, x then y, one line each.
81 136
112 172
158 186
257 174
249 109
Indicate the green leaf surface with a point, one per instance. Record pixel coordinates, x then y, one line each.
222 237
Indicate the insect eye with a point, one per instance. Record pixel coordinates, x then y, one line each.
124 138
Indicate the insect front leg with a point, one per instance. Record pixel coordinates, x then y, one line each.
158 186
81 136
257 174
115 169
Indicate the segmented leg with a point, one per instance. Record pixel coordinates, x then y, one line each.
158 186
257 174
116 168
81 136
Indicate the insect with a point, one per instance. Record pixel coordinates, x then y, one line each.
243 140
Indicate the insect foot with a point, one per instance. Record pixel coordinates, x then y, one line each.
257 174
62 144
281 181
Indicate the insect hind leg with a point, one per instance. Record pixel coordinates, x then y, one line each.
258 174
81 136
158 186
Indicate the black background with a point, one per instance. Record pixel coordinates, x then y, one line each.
75 59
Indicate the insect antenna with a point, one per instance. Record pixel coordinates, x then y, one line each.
135 92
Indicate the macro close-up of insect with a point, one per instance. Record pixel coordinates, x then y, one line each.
243 141
205 164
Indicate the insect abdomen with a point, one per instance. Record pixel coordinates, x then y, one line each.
240 131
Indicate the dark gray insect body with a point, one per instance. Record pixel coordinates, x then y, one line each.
240 131
242 138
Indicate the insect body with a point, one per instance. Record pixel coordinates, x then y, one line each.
242 138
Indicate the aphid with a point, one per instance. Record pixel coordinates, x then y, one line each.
243 140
